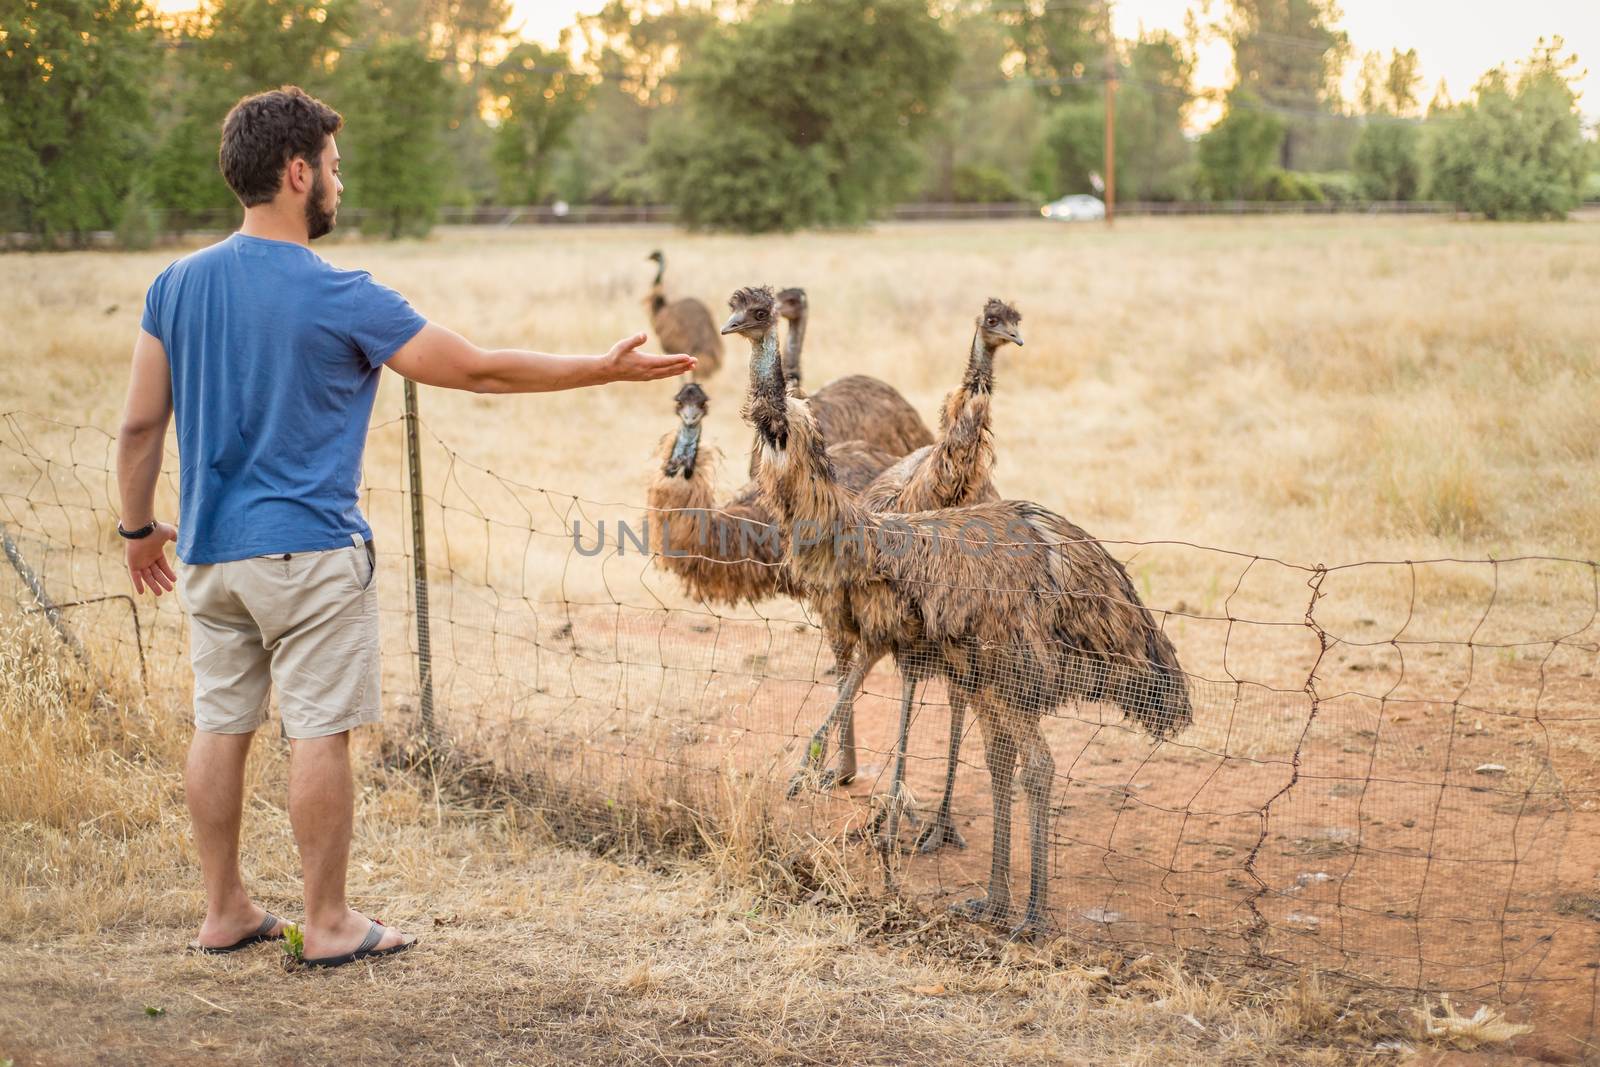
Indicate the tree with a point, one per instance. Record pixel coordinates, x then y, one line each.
73 79
986 127
1388 159
840 89
1153 154
229 49
538 97
1516 150
1062 44
1236 156
1289 55
632 50
392 148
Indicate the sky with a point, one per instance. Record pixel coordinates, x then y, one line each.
1457 40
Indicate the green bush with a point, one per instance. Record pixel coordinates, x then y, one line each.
741 178
1388 160
1514 152
1336 186
1289 186
1236 156
804 113
978 183
138 226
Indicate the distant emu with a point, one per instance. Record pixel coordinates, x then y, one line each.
683 325
1037 616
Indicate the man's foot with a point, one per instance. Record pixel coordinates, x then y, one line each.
233 931
348 936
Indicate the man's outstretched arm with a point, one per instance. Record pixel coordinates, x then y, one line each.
139 449
441 357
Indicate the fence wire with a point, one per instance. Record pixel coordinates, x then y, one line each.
1389 770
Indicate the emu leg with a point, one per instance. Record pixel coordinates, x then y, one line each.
845 773
1038 775
898 797
942 830
1000 751
816 753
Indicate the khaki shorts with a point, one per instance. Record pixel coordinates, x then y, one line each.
305 622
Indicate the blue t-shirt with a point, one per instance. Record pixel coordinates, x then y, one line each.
275 358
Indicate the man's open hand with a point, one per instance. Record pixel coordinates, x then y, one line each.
148 565
625 363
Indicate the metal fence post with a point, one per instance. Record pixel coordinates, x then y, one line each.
419 567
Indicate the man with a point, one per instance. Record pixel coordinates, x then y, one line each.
269 358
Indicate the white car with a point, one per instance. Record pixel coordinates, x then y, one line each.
1077 208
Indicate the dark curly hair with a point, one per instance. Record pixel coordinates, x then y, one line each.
263 132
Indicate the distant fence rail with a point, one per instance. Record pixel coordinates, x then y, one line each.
175 225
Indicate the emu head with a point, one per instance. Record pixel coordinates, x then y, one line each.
691 404
1000 324
791 304
754 313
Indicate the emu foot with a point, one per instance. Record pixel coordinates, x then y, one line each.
987 909
821 780
939 832
1033 928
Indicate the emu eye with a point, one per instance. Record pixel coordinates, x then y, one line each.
990 321
761 314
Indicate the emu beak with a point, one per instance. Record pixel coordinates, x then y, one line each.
734 324
1016 339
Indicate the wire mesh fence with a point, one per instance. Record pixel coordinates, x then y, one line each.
1388 769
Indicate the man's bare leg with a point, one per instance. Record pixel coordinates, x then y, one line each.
322 809
214 785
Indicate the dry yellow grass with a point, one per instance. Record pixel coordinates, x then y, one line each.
1320 390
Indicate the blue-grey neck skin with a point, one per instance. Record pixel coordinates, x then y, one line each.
684 451
764 356
661 270
768 391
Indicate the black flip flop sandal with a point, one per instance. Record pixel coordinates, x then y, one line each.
365 951
262 933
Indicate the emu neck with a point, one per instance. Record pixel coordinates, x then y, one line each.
979 377
685 450
792 345
661 270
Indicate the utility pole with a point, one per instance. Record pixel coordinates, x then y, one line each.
1111 119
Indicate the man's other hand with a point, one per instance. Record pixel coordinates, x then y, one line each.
148 565
625 363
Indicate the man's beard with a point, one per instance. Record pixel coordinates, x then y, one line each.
319 221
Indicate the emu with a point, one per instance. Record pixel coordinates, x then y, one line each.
683 325
1045 617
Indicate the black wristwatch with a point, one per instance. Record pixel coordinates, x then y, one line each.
137 535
